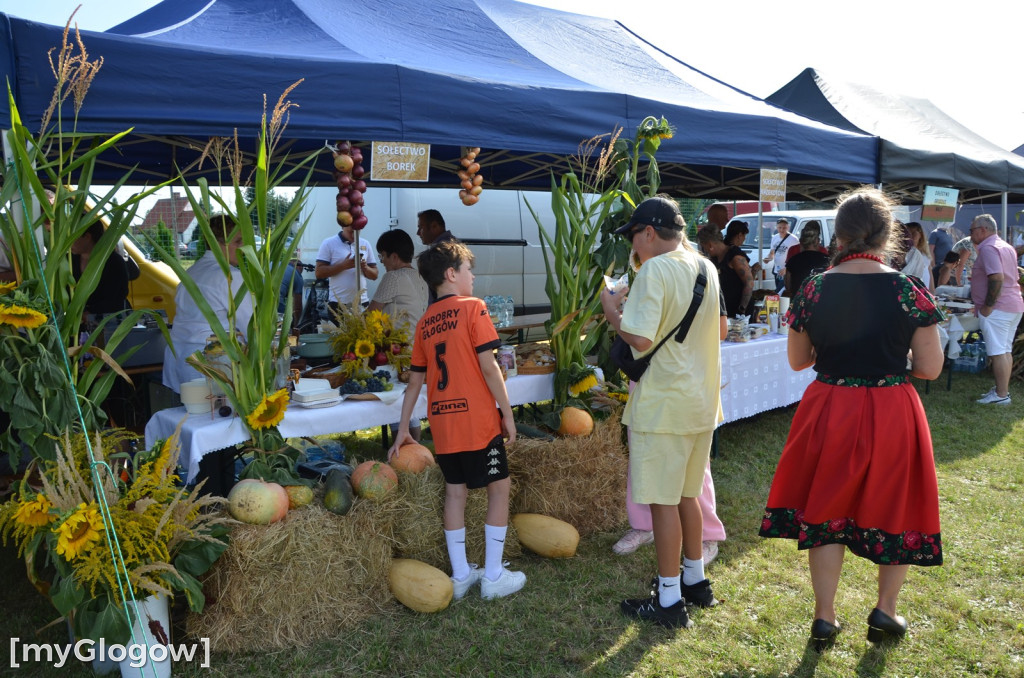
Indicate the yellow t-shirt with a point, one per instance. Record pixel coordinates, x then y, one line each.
680 392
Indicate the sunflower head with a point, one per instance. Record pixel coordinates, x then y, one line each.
364 349
270 410
35 512
583 385
79 531
7 287
20 316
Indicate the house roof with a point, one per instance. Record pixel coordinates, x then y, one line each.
175 212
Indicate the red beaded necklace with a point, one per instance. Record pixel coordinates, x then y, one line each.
862 255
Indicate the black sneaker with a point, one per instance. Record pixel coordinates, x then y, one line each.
698 594
649 609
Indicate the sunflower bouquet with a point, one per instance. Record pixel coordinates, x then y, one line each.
96 535
364 342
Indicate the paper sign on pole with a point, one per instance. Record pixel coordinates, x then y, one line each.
939 203
773 184
399 161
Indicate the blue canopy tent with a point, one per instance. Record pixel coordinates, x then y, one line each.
525 83
918 143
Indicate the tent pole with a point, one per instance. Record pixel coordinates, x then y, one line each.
1006 217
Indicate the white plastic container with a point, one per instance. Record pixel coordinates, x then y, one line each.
197 397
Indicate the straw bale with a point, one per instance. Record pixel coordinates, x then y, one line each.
297 581
581 480
419 521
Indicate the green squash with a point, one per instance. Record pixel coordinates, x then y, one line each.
338 494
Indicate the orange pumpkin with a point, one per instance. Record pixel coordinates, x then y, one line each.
373 479
412 458
576 422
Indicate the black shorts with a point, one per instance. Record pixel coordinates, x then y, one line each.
475 469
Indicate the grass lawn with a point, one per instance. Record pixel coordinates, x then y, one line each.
965 616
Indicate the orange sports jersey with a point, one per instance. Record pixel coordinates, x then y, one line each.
449 337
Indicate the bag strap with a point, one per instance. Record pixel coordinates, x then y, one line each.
683 328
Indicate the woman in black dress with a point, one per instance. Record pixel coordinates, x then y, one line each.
737 281
857 471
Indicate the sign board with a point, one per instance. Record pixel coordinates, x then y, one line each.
399 161
939 203
773 184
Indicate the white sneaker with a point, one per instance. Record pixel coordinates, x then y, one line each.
709 551
461 586
989 392
993 398
508 583
632 540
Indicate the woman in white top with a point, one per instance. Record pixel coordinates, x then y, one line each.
919 255
191 328
401 293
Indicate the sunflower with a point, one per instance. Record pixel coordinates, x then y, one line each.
270 411
6 287
79 531
35 513
21 316
364 348
583 385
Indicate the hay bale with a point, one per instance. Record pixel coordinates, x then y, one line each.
581 480
418 506
292 583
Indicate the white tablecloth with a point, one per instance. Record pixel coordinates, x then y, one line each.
756 377
202 434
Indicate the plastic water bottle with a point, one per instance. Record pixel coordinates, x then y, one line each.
510 310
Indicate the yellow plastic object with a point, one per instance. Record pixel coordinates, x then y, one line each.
156 285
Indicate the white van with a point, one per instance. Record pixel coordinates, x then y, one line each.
499 229
797 219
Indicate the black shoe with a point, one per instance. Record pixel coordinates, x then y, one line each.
823 634
698 594
649 609
882 627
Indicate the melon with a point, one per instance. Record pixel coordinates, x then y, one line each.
337 492
257 502
546 536
418 586
412 458
298 495
575 422
373 479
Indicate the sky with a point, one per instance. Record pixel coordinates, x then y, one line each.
964 57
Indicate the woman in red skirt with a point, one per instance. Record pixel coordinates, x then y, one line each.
857 470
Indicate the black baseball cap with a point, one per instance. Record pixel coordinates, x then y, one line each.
657 212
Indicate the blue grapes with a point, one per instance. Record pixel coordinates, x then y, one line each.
352 387
374 385
383 375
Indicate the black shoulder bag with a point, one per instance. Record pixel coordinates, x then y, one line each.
634 368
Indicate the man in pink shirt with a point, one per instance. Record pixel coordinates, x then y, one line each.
997 301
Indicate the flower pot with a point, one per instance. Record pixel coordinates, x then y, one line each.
154 616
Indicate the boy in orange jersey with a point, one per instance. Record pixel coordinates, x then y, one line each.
453 351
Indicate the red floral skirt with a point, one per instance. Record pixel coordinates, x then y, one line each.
857 469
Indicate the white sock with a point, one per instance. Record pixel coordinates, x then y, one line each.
456 540
493 552
668 591
693 571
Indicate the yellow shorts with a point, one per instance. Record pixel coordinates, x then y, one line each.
665 467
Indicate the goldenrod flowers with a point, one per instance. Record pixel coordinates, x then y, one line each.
270 411
79 531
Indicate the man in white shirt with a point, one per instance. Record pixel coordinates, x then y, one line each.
337 260
191 328
781 242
